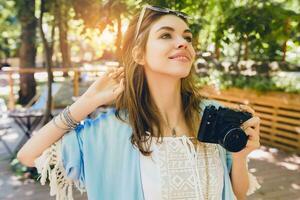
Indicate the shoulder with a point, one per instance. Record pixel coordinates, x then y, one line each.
102 119
105 126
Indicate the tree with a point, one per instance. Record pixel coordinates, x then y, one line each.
102 14
112 11
48 49
9 30
62 8
264 27
88 11
27 50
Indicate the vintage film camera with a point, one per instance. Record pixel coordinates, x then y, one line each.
222 126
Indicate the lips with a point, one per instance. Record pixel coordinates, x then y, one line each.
180 57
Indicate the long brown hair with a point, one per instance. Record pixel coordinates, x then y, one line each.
136 101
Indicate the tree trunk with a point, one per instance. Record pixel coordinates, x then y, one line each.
246 48
286 31
239 53
62 20
48 55
27 51
217 50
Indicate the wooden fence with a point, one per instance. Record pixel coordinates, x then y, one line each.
279 114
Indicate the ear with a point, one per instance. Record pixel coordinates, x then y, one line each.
138 55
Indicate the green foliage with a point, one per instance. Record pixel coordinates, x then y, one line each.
9 29
279 82
263 24
23 171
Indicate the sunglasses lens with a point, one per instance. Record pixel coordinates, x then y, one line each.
182 14
166 10
158 9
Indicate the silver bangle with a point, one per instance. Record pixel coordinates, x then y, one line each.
67 119
63 120
70 122
56 125
70 116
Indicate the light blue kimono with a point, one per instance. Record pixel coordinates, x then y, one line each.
99 155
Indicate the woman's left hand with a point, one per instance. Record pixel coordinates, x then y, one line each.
251 128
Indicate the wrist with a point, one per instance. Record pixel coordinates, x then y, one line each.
239 158
95 101
82 107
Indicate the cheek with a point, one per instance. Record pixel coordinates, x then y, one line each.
156 59
157 55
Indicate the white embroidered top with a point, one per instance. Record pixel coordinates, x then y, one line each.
177 174
182 169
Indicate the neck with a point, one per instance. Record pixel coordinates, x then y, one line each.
166 93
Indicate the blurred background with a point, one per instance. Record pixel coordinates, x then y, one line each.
248 51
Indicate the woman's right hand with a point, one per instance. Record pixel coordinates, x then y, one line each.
106 88
102 92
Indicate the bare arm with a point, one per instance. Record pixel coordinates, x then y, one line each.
239 178
49 134
101 92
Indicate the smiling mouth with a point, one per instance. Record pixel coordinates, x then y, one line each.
180 58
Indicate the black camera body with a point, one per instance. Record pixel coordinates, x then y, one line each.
222 126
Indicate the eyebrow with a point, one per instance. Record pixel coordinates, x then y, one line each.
172 29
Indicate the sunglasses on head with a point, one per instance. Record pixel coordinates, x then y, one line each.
157 9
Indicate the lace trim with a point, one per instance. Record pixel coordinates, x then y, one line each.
60 184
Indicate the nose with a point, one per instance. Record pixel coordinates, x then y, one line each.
182 46
181 43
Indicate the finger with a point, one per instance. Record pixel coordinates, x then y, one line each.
121 68
252 122
109 73
119 88
120 84
120 76
252 133
109 70
234 107
253 144
117 72
246 108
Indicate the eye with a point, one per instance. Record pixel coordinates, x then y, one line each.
188 38
165 36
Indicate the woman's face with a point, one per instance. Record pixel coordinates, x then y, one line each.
169 49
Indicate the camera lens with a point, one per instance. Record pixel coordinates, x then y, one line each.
235 140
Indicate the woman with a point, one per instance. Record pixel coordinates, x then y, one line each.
145 146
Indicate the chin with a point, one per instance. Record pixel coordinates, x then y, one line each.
176 71
179 73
